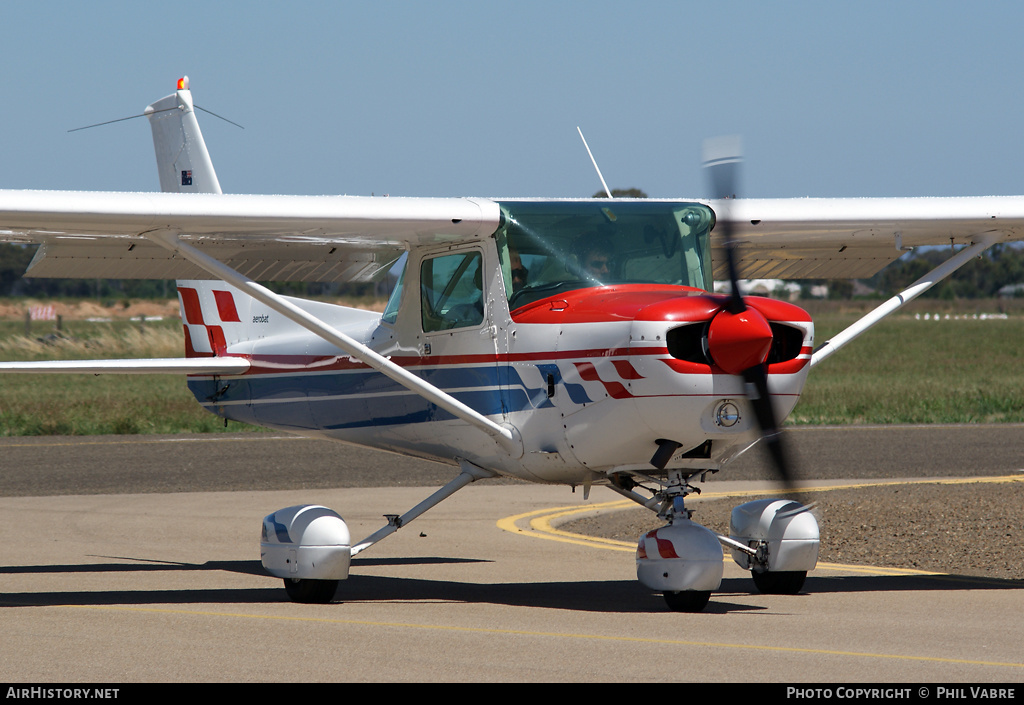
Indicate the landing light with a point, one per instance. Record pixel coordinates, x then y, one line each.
727 414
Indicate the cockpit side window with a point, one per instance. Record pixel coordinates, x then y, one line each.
391 311
451 291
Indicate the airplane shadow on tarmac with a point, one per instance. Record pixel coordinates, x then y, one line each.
612 596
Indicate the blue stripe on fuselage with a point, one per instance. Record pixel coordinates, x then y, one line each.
352 399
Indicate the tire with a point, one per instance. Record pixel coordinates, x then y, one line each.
687 600
786 582
310 592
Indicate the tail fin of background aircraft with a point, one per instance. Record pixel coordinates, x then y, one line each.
182 159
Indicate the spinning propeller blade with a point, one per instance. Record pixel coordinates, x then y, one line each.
722 158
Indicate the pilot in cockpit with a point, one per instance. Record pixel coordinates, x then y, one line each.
594 258
519 272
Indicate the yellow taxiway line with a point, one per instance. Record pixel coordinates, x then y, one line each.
533 633
541 523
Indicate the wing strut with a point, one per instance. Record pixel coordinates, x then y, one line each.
506 435
904 297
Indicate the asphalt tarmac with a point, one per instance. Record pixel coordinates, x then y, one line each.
46 465
137 559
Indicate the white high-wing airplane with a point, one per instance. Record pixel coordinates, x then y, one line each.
571 342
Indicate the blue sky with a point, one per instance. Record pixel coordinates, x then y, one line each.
483 98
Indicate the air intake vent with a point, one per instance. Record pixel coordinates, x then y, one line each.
688 343
786 343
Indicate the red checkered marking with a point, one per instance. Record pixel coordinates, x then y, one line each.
665 547
193 310
615 389
226 306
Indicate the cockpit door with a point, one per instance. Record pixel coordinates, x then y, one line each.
458 339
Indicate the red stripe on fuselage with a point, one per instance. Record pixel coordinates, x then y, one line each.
271 364
324 363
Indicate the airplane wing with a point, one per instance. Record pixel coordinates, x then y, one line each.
351 238
853 238
293 238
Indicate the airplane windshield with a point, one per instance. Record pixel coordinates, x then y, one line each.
547 248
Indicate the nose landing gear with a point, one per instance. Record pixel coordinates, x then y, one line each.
776 540
682 560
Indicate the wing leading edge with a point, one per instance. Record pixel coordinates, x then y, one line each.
847 238
351 238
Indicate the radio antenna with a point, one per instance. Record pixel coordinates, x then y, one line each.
594 162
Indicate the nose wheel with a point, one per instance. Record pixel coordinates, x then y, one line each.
687 600
681 560
786 582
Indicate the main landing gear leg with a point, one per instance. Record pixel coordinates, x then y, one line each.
470 473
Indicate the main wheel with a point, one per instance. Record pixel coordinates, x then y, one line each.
784 582
309 591
687 600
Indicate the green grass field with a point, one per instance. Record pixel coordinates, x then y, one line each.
89 404
909 370
904 370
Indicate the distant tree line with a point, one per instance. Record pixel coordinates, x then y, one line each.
981 278
622 193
